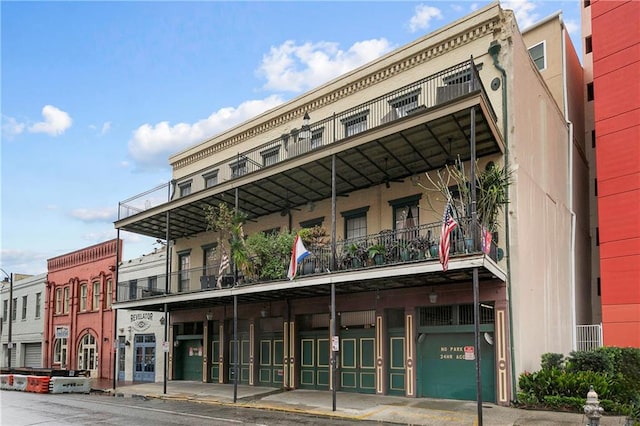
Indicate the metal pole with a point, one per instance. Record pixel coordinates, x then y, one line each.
334 376
165 351
236 348
116 346
476 291
11 318
235 316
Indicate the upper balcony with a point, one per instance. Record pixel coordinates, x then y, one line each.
414 129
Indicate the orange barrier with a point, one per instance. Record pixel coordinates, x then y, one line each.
37 384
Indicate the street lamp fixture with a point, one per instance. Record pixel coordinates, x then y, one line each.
8 279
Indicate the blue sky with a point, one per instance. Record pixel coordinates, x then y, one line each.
97 95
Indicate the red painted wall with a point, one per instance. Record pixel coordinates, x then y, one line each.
616 79
85 266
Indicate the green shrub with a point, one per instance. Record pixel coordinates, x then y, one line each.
613 372
598 361
552 360
568 403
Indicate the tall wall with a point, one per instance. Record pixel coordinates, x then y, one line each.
539 213
616 67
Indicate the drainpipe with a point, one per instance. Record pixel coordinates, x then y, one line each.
494 50
572 253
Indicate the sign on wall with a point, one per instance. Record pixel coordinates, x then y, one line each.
62 332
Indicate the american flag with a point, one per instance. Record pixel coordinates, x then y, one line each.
448 225
224 263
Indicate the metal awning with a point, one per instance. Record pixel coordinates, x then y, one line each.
424 141
377 279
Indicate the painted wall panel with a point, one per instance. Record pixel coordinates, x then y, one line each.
622 334
615 91
614 124
616 29
619 218
619 184
627 247
619 154
620 280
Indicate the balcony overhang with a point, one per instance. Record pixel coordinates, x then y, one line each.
424 141
346 282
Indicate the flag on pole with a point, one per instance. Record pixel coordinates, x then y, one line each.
298 253
486 240
224 263
448 225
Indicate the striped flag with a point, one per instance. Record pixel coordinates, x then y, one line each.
224 263
298 253
485 239
448 225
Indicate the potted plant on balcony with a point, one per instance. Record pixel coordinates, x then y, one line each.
354 255
315 240
377 253
227 223
419 246
451 184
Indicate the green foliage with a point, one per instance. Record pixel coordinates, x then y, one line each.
552 360
565 403
269 254
613 373
598 361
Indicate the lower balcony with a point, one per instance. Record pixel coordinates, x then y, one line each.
408 256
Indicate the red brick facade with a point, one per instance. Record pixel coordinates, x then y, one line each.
73 309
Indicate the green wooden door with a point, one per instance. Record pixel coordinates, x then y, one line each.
189 363
357 361
271 369
446 372
396 363
314 360
243 358
215 354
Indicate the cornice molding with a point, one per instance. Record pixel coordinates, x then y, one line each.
360 84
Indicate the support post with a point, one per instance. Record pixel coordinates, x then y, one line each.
476 290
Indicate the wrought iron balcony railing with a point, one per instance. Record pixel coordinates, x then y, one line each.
382 249
442 87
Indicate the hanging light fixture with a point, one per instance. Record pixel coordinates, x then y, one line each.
433 297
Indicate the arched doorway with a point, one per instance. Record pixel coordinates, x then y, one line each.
88 355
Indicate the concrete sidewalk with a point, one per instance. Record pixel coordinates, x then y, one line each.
384 409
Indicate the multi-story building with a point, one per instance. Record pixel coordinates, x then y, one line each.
355 156
141 333
78 329
27 318
611 39
550 46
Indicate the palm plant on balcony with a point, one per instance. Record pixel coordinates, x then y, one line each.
452 184
228 224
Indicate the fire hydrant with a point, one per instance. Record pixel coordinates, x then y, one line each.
592 408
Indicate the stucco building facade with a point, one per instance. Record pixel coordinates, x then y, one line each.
355 156
28 320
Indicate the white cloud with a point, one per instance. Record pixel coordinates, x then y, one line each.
152 144
55 121
524 11
572 27
99 237
107 214
105 128
51 207
423 16
473 7
124 164
295 68
11 126
28 262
